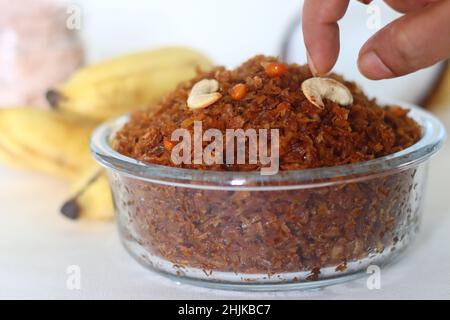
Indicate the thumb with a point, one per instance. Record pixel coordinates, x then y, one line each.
414 41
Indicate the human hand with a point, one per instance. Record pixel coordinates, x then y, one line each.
418 39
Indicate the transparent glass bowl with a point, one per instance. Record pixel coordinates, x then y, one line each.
243 230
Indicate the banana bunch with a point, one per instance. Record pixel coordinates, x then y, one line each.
57 144
45 141
126 83
56 141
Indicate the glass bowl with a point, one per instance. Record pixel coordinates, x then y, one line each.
244 230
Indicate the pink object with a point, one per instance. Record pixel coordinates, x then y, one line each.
37 50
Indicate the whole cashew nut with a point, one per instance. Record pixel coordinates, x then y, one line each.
317 89
203 94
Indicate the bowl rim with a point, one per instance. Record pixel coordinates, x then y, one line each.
431 141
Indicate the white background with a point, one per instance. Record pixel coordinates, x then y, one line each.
232 31
37 244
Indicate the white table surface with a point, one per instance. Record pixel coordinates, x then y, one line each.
37 246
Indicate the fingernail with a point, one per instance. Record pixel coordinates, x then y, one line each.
373 67
311 65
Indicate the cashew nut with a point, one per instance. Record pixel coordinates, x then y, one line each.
317 89
203 94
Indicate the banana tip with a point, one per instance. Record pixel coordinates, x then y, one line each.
53 97
71 209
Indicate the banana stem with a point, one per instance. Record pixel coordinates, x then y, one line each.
71 209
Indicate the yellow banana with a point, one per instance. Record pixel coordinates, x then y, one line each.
91 198
57 142
126 83
45 141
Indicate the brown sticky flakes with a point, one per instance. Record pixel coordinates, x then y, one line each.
277 231
309 137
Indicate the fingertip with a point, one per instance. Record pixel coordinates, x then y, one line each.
322 70
373 67
404 46
321 33
311 65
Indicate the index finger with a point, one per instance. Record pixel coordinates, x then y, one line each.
321 33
